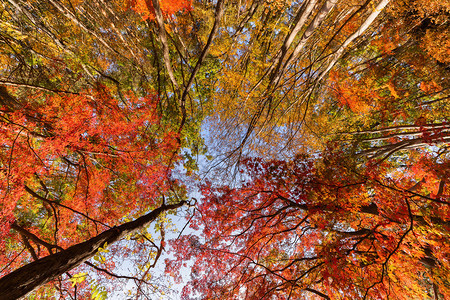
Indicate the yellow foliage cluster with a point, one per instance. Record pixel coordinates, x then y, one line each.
437 44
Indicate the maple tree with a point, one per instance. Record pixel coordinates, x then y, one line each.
86 143
69 46
369 221
300 229
75 165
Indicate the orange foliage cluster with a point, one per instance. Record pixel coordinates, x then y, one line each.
437 44
430 86
434 39
168 7
352 94
389 37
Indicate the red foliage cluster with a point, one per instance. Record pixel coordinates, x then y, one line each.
74 162
168 8
294 231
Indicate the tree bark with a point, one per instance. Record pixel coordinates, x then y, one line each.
165 45
335 57
25 279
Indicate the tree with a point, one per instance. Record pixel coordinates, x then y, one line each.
74 165
392 97
275 66
300 229
23 280
71 46
96 127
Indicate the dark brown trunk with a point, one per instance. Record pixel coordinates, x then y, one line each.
25 279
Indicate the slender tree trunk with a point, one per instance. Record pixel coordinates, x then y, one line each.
335 57
165 44
25 279
315 23
402 128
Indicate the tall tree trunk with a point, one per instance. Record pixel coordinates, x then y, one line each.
335 57
25 279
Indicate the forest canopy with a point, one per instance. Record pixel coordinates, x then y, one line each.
226 149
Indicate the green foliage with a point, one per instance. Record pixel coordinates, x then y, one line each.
98 292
